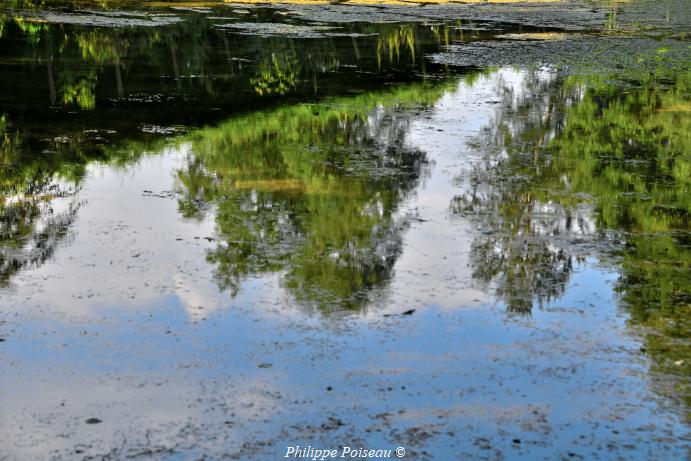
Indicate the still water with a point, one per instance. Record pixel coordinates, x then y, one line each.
229 229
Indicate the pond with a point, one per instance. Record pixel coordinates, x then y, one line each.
228 229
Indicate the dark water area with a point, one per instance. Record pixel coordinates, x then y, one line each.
199 68
228 229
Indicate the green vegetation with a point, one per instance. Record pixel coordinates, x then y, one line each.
29 225
74 69
616 148
631 151
310 190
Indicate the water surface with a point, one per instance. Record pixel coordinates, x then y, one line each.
229 229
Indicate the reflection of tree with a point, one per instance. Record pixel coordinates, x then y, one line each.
520 250
277 74
527 267
80 91
191 65
311 191
39 183
567 149
631 151
30 230
390 38
100 46
145 71
31 219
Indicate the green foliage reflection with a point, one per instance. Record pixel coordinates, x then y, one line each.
594 163
310 190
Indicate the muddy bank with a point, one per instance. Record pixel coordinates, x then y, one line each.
571 53
563 15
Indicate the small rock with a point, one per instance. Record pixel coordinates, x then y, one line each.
264 365
93 421
408 312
